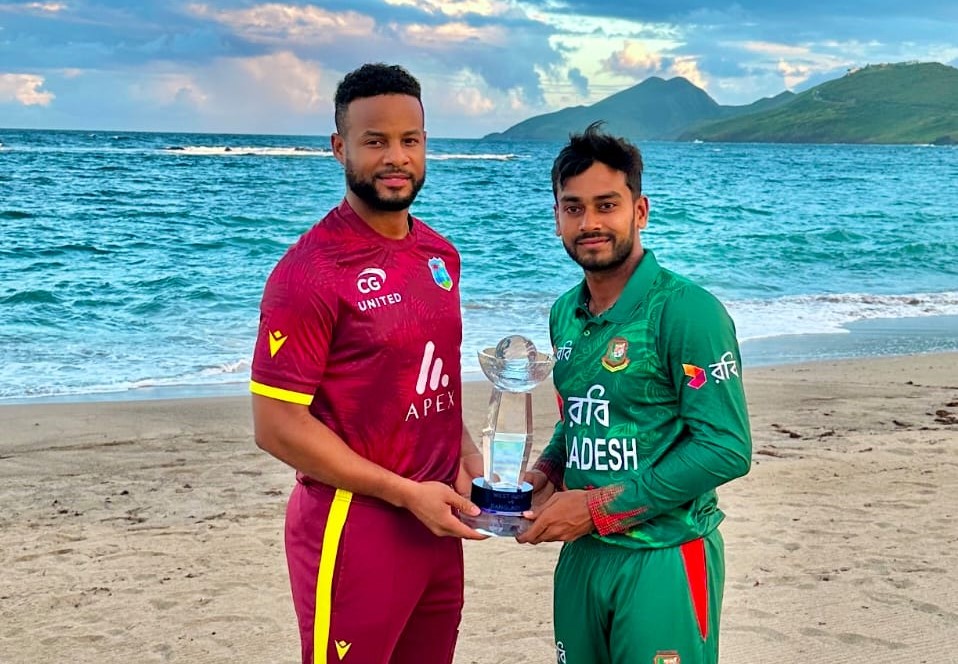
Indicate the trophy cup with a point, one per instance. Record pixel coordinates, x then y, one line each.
514 367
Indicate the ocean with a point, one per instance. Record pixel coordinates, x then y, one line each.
131 264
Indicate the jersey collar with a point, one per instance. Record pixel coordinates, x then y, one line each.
356 223
636 288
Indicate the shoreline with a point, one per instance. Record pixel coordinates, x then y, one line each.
891 337
152 530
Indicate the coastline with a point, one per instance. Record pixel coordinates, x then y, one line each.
864 339
152 530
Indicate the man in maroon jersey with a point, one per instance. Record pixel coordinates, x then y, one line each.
356 384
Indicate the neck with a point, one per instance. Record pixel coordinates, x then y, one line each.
606 286
392 225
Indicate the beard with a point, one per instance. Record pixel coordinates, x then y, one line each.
621 250
365 190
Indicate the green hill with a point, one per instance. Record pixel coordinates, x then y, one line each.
654 109
893 103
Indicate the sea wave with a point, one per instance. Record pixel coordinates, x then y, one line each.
239 151
829 313
475 157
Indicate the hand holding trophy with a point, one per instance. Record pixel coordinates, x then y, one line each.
514 367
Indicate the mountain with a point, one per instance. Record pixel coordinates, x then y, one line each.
653 109
891 103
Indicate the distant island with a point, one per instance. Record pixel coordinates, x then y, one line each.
889 103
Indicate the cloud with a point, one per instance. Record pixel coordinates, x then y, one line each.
168 89
279 23
34 7
688 68
633 60
451 35
292 82
455 8
579 82
24 89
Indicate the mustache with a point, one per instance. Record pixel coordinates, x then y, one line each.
594 234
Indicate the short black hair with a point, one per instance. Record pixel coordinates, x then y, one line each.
372 80
594 145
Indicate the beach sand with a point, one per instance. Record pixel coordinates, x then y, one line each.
152 531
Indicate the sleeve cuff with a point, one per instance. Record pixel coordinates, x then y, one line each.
607 522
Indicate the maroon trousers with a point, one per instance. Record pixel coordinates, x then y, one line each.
371 585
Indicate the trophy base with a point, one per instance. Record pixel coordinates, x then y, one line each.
501 509
497 525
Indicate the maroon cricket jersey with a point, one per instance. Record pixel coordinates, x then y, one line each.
366 331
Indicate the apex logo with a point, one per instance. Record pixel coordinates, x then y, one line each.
342 648
371 279
431 378
276 341
431 370
667 657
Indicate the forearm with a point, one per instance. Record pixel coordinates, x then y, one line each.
295 437
690 469
468 447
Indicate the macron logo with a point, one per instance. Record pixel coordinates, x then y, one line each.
431 370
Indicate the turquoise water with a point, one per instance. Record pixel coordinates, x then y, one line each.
135 262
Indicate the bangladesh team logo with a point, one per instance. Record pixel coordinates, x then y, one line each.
616 356
667 657
440 274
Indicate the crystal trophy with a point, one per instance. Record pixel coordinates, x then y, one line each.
514 367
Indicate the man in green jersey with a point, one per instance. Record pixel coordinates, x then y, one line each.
653 418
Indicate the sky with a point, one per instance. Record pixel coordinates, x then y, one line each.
272 67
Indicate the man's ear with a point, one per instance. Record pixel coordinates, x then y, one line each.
641 211
555 214
338 145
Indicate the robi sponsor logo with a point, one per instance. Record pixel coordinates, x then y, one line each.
369 282
431 386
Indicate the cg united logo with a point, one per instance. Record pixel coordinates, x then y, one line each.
371 279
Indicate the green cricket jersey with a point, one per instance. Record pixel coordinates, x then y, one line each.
653 408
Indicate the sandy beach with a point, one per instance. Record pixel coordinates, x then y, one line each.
151 531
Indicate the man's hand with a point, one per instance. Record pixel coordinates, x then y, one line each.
470 467
542 488
563 518
435 503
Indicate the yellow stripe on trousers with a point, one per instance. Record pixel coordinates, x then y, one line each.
327 566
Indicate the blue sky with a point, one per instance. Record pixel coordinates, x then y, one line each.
272 67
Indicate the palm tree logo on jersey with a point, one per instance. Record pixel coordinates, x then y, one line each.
440 274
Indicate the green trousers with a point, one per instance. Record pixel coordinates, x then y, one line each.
616 605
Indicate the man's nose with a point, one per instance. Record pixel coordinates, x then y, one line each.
589 220
396 153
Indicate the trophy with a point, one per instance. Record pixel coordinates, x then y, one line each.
514 367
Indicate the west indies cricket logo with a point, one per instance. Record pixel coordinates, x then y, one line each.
440 274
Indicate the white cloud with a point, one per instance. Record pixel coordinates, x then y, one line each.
450 34
455 8
793 74
51 7
275 83
34 7
71 72
279 23
24 89
633 59
167 89
285 78
776 50
688 67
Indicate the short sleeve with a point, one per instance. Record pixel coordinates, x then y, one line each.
297 316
